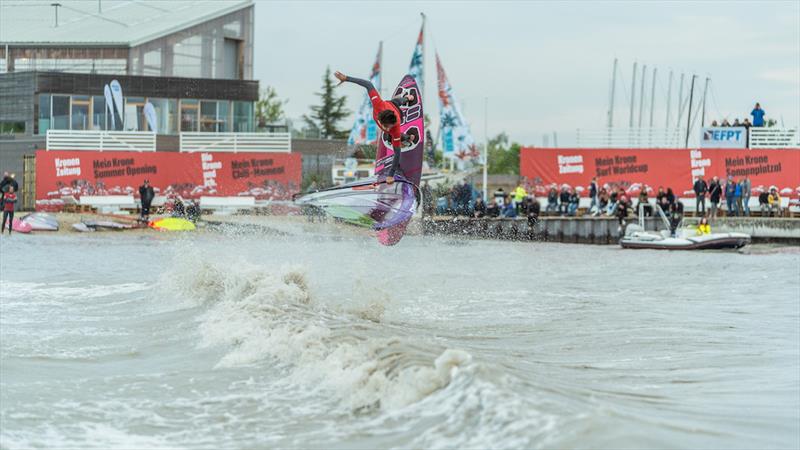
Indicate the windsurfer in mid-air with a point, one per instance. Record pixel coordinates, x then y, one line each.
388 116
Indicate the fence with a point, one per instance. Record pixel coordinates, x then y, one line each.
191 142
774 138
138 141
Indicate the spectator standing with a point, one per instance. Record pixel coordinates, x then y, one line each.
700 189
715 193
563 208
6 183
519 196
738 198
593 194
9 204
146 195
552 200
730 195
758 116
746 190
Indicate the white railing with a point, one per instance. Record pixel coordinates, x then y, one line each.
774 138
631 138
235 142
137 141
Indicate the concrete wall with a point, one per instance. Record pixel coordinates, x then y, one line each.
599 230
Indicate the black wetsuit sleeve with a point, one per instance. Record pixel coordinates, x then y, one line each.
363 83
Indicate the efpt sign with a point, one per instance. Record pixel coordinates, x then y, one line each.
724 137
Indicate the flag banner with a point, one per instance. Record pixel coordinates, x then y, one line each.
416 69
266 176
364 130
637 169
457 141
110 106
116 94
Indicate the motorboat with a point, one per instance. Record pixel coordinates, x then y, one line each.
682 239
685 239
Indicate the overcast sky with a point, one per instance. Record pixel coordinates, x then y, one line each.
544 66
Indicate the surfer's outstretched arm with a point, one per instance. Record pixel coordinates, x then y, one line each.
363 83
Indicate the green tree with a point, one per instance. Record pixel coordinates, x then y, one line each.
330 112
503 156
269 108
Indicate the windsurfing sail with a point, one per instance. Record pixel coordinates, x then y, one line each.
457 141
386 208
364 130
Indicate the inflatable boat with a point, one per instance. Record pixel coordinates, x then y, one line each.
684 240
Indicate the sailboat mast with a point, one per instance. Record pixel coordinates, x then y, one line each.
705 92
641 94
689 117
611 100
653 96
669 98
633 95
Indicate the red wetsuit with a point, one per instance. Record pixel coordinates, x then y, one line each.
378 106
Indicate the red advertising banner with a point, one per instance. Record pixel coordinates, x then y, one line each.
266 176
632 169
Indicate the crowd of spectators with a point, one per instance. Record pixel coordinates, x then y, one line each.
758 120
464 200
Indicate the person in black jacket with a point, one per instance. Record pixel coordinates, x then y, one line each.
146 194
479 210
714 194
700 189
563 208
6 183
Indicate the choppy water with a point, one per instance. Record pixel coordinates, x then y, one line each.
308 340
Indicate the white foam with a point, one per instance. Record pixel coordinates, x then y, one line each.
262 313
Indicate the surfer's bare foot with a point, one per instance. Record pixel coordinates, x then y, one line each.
389 180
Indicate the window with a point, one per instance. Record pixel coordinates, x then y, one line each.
208 116
44 113
152 63
243 117
189 111
99 116
12 127
60 118
231 59
223 119
166 114
188 58
134 114
80 112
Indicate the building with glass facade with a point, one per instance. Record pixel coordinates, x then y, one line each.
192 60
